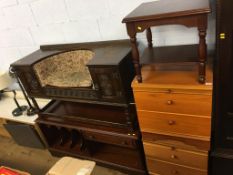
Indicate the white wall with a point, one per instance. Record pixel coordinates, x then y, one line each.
26 24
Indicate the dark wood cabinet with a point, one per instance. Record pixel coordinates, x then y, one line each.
96 122
108 146
221 160
97 114
110 70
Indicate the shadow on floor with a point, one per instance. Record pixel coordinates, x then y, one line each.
34 161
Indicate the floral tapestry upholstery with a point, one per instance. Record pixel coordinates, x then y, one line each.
66 69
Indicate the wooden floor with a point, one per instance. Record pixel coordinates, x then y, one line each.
34 161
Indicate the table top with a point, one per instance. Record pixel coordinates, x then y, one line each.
7 105
173 76
167 8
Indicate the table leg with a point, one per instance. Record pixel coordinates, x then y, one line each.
135 53
202 54
149 37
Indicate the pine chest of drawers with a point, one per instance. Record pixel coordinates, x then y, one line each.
174 114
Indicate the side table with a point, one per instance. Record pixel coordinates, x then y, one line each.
165 12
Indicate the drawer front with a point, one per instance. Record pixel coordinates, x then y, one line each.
110 139
181 142
194 104
167 123
166 168
176 155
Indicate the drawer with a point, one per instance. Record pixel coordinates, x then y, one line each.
165 168
181 142
194 104
168 123
176 155
110 139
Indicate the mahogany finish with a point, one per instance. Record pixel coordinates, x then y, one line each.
188 13
105 145
97 123
111 71
106 115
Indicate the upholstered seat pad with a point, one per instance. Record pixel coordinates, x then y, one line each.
66 69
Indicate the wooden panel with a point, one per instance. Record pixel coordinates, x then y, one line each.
193 104
96 114
176 155
177 77
167 9
181 142
111 139
166 168
190 126
3 131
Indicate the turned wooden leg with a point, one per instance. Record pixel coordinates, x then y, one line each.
135 53
202 55
149 37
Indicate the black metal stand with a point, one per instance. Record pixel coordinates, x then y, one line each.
20 109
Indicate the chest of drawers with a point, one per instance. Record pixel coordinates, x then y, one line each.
175 119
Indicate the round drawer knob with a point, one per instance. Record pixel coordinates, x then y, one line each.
170 102
175 172
171 122
124 143
173 156
173 148
91 137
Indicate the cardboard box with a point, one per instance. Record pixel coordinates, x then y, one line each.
72 166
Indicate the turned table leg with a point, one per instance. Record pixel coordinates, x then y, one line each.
149 37
135 53
202 54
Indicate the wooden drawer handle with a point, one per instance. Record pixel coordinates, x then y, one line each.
91 137
173 156
171 122
173 148
175 172
170 102
124 143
